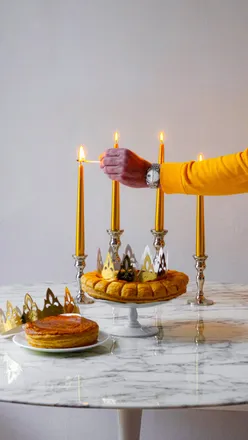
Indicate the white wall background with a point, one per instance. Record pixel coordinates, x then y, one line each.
73 72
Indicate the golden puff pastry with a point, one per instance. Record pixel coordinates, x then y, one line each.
162 289
61 332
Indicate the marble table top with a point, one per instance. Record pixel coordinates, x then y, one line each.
165 371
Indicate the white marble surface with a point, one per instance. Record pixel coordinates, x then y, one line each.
166 371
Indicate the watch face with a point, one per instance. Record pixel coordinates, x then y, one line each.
152 176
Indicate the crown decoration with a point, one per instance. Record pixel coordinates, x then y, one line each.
69 304
14 317
160 263
99 261
30 309
150 269
129 252
116 262
52 303
126 271
108 272
11 319
147 272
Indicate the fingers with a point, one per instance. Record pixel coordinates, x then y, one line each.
113 170
111 161
124 166
114 157
115 152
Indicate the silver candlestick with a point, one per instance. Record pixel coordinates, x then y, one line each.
158 242
200 265
80 265
114 244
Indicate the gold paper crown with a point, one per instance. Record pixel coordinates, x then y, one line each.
108 271
150 268
147 272
14 317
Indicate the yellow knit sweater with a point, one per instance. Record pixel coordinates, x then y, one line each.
224 175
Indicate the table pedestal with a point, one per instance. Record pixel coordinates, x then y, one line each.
129 424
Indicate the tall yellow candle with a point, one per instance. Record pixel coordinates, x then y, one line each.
79 251
200 224
115 205
159 215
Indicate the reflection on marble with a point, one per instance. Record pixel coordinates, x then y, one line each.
171 369
12 368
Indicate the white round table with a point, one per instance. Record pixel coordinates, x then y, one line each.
199 358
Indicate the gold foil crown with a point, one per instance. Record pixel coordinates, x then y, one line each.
150 268
108 272
147 272
14 317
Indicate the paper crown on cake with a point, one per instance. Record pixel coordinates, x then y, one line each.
129 270
160 266
14 317
99 261
147 271
126 272
108 271
129 252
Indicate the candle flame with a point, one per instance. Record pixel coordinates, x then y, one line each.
116 137
200 157
161 137
81 154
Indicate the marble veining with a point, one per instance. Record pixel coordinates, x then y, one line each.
165 371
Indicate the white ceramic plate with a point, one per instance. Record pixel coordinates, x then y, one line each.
21 341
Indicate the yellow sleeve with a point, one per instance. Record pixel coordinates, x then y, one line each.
224 175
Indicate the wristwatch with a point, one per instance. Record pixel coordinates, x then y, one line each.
153 176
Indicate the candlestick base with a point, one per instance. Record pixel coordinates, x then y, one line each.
80 264
158 243
200 300
114 244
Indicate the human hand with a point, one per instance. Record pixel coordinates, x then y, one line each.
125 167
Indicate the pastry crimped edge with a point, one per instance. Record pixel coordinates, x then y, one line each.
162 289
66 341
85 334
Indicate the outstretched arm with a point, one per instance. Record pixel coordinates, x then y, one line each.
224 175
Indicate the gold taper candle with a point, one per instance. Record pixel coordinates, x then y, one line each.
159 215
79 251
200 224
115 206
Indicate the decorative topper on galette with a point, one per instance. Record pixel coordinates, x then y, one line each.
126 272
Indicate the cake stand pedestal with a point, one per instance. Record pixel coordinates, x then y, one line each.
133 328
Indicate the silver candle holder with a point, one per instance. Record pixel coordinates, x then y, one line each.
158 242
114 245
200 300
80 264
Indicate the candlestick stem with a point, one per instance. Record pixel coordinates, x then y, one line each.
114 244
158 242
200 265
80 265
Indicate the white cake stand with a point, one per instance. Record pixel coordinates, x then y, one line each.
133 328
